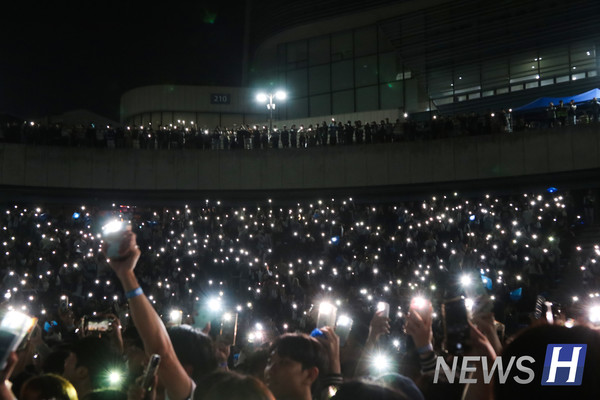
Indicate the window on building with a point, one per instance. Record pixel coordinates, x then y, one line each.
583 57
466 78
554 62
343 102
341 46
391 95
319 79
319 51
367 98
532 85
439 80
342 75
524 68
384 42
494 73
297 83
320 105
546 82
365 70
388 67
296 52
365 41
297 108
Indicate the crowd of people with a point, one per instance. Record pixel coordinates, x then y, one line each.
229 295
324 133
179 135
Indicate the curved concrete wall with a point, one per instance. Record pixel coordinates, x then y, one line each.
445 160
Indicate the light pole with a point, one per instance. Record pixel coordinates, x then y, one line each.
264 97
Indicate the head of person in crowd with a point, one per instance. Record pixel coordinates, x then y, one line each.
135 356
48 386
253 362
194 350
534 342
54 363
93 363
106 394
358 390
295 362
232 386
401 384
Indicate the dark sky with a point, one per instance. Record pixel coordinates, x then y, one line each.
61 56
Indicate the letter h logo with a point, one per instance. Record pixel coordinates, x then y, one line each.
563 365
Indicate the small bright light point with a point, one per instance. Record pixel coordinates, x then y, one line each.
594 314
214 304
469 304
114 377
112 226
381 363
465 280
419 302
175 314
325 308
280 95
262 97
344 320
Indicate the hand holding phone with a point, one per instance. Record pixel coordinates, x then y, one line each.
457 328
98 324
116 247
327 314
419 321
380 325
148 377
14 327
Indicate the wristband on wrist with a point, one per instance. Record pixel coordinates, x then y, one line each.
425 349
134 293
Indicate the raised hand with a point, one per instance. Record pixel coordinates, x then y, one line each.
129 253
331 341
380 325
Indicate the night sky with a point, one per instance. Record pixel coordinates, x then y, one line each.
72 55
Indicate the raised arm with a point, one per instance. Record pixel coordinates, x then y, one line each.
148 323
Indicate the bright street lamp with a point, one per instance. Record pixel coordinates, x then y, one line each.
268 97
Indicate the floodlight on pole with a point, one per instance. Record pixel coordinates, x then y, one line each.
268 98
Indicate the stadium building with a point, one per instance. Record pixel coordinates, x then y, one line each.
369 60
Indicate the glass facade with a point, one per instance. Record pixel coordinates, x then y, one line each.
517 72
359 70
343 72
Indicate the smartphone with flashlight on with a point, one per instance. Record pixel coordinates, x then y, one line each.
63 303
343 328
175 317
546 309
456 326
594 314
327 314
112 236
422 306
228 329
384 309
150 372
14 327
96 324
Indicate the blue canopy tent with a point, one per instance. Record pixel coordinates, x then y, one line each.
543 102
